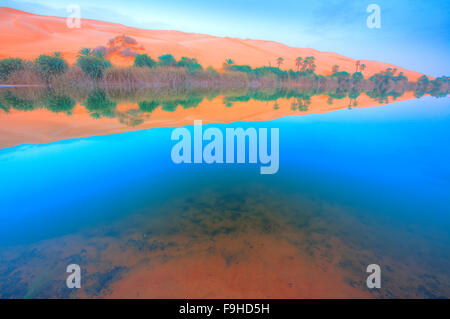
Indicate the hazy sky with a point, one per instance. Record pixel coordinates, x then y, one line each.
413 34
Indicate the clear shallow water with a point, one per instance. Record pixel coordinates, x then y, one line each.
355 187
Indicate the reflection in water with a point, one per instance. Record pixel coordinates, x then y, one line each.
75 114
354 188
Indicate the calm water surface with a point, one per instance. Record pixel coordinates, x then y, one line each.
355 187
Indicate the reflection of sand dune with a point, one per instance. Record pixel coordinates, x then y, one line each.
27 35
42 126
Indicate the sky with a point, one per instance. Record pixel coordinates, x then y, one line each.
414 34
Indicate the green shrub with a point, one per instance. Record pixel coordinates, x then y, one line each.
240 68
92 66
9 66
357 77
422 86
167 60
341 75
143 60
270 70
211 70
50 66
92 63
191 65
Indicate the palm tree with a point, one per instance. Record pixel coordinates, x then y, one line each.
85 52
305 63
308 64
335 68
227 63
298 62
280 61
358 63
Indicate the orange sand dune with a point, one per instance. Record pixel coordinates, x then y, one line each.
27 35
42 126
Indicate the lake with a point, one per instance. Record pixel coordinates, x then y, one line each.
89 180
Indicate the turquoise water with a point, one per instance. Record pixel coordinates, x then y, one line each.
360 186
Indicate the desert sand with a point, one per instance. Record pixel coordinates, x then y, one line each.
27 35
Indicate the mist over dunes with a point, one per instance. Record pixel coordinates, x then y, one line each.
27 35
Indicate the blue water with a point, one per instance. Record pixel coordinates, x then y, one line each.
387 167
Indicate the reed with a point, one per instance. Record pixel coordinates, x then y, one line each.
172 76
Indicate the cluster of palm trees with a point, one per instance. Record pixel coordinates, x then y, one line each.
308 64
360 67
305 65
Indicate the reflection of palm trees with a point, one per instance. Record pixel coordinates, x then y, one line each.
18 103
100 105
57 103
352 102
303 107
304 101
4 108
294 105
130 117
148 106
